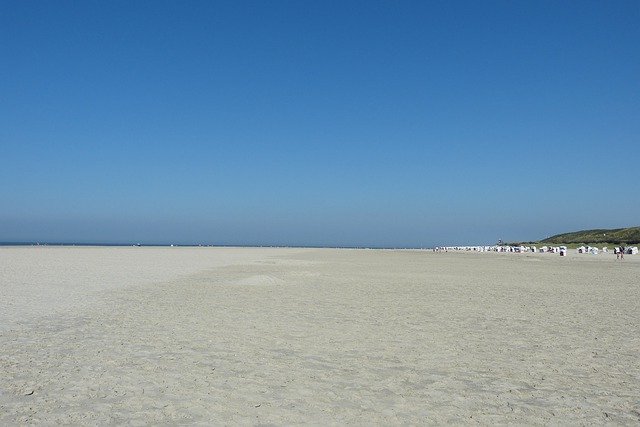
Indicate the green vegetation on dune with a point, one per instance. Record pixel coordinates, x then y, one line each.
629 235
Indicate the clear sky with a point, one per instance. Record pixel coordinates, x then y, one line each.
393 123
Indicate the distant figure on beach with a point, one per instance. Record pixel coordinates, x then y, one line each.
621 251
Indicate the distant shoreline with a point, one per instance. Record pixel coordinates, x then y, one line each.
165 245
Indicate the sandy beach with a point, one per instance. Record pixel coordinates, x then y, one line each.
96 335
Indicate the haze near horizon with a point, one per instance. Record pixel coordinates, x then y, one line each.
317 123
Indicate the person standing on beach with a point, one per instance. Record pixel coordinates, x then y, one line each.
621 251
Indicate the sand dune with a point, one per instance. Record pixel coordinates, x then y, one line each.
282 336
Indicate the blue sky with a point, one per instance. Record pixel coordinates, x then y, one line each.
411 123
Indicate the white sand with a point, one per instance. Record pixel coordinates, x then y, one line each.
282 336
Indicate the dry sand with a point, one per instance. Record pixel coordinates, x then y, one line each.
322 336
